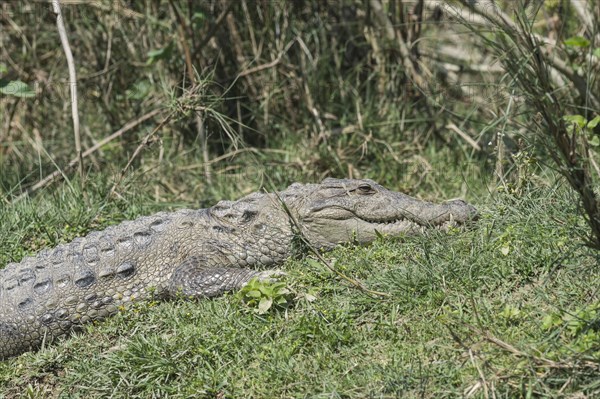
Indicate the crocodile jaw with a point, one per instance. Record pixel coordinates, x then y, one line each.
367 231
327 234
360 210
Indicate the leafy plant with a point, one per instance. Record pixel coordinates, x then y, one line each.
582 126
526 61
163 53
261 295
14 88
579 331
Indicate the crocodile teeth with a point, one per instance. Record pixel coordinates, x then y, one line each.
391 221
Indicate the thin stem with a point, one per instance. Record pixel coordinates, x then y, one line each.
62 32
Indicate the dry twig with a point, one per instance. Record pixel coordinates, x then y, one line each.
182 28
145 142
409 64
72 82
57 173
492 16
464 136
116 7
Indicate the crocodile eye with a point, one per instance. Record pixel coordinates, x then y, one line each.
365 188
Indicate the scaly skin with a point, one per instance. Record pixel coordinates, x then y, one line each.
199 253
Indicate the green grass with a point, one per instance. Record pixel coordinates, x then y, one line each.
509 307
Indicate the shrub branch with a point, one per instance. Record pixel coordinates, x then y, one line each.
527 60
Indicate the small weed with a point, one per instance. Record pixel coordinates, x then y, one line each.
261 296
576 332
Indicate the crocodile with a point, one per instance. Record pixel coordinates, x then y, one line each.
198 253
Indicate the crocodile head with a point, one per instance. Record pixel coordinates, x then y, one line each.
343 210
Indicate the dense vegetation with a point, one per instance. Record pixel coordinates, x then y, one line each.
183 103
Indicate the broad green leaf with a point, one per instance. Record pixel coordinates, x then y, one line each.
159 54
3 68
15 88
264 305
280 301
266 290
596 52
253 294
594 141
198 17
550 321
577 119
281 291
594 122
156 53
577 41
